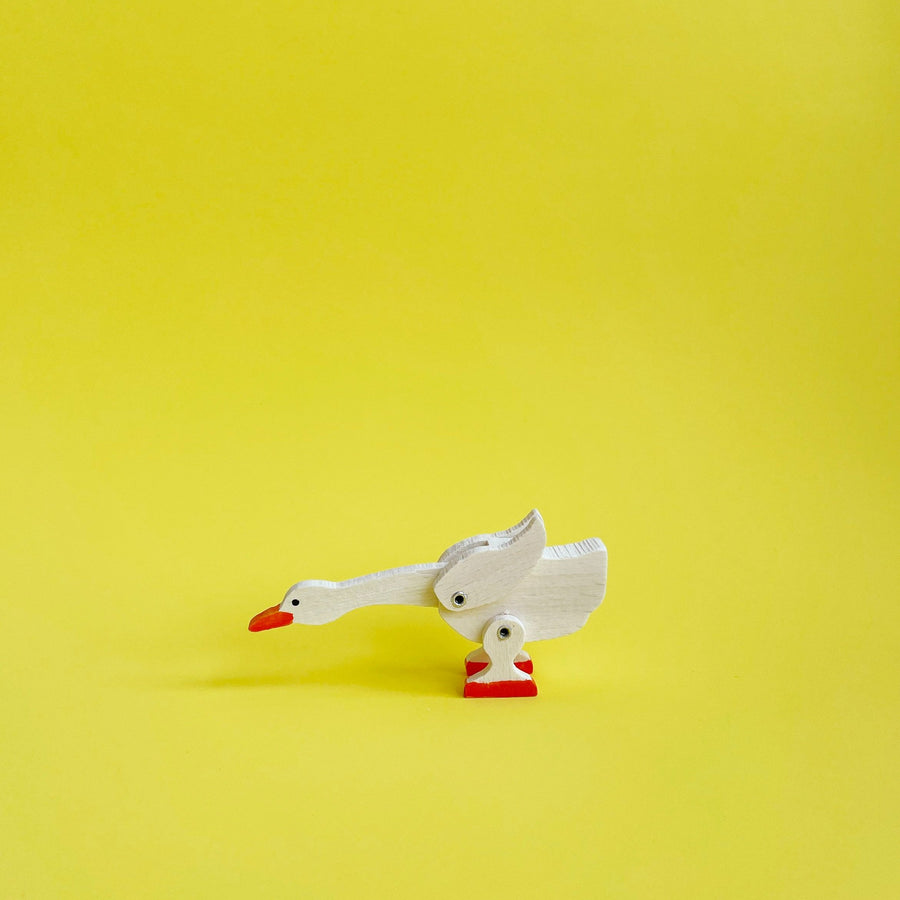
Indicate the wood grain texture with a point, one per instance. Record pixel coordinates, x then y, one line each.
479 657
502 641
494 539
551 591
319 602
565 586
489 571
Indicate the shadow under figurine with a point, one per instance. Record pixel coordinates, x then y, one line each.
500 589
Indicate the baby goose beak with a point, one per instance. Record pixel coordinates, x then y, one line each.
272 617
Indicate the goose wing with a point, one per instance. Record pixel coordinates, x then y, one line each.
495 539
487 568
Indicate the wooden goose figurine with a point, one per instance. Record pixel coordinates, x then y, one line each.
500 589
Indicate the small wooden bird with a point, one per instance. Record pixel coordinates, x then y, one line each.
499 589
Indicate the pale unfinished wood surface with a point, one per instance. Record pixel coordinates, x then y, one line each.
494 539
478 655
487 571
550 591
502 642
325 601
565 586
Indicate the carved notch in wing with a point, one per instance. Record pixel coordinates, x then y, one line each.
496 539
488 568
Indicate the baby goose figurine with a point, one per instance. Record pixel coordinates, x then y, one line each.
499 589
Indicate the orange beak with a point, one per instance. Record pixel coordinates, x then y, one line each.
272 617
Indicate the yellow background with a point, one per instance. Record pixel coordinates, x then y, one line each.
307 290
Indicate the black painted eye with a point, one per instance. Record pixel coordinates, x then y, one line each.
295 601
459 599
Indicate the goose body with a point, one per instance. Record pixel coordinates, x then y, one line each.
566 585
507 584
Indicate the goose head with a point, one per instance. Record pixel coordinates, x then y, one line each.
305 603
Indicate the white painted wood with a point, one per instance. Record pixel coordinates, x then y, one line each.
319 602
496 539
561 591
502 641
478 655
489 571
549 591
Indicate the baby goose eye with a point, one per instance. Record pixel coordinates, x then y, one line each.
459 599
295 602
